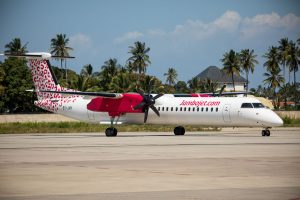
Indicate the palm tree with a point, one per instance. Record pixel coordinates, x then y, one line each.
80 84
248 62
293 62
272 57
283 53
109 70
208 86
274 79
231 63
87 71
59 47
140 58
171 76
121 83
194 84
15 47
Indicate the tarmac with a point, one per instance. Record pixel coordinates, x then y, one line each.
230 164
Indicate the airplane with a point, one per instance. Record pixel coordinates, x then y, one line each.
138 108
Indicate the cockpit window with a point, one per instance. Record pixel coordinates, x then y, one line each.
258 105
246 105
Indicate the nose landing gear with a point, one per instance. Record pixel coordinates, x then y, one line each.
265 132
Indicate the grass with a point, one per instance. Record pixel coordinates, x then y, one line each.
78 127
291 122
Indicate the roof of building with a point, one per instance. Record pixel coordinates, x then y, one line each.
217 75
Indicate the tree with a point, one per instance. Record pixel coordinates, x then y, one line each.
293 62
171 76
80 84
139 59
208 85
59 47
181 87
272 57
274 79
16 80
248 62
231 63
15 47
194 84
283 53
109 70
121 83
87 71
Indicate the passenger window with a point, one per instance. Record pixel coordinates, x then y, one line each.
176 109
217 109
206 109
184 109
158 108
180 108
171 108
202 109
167 108
258 105
212 109
189 109
193 109
197 109
163 108
246 105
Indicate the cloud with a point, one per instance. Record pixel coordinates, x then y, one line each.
128 36
228 24
264 23
156 32
80 40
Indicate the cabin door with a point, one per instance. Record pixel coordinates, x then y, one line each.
226 113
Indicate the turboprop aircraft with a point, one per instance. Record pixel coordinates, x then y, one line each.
138 108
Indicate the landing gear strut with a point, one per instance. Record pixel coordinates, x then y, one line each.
266 132
179 130
111 131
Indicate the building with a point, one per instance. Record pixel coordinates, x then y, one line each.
218 76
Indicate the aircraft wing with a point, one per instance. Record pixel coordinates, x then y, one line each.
98 94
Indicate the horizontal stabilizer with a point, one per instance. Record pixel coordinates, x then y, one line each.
42 55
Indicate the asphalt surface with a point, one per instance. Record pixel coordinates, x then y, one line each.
231 164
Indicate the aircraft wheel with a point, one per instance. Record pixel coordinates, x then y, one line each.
263 133
268 133
179 130
111 132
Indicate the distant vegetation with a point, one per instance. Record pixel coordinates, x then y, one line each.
15 77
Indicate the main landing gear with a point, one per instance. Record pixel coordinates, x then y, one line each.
265 132
179 130
111 131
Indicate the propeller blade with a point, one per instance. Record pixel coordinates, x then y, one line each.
155 110
146 114
139 105
157 96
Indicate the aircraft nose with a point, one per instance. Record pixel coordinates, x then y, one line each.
278 121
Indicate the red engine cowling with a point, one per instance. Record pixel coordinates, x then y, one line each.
116 106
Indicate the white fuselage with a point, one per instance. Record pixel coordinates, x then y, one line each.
208 111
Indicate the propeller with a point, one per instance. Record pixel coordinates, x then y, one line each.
148 102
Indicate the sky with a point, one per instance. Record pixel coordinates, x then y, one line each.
188 35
